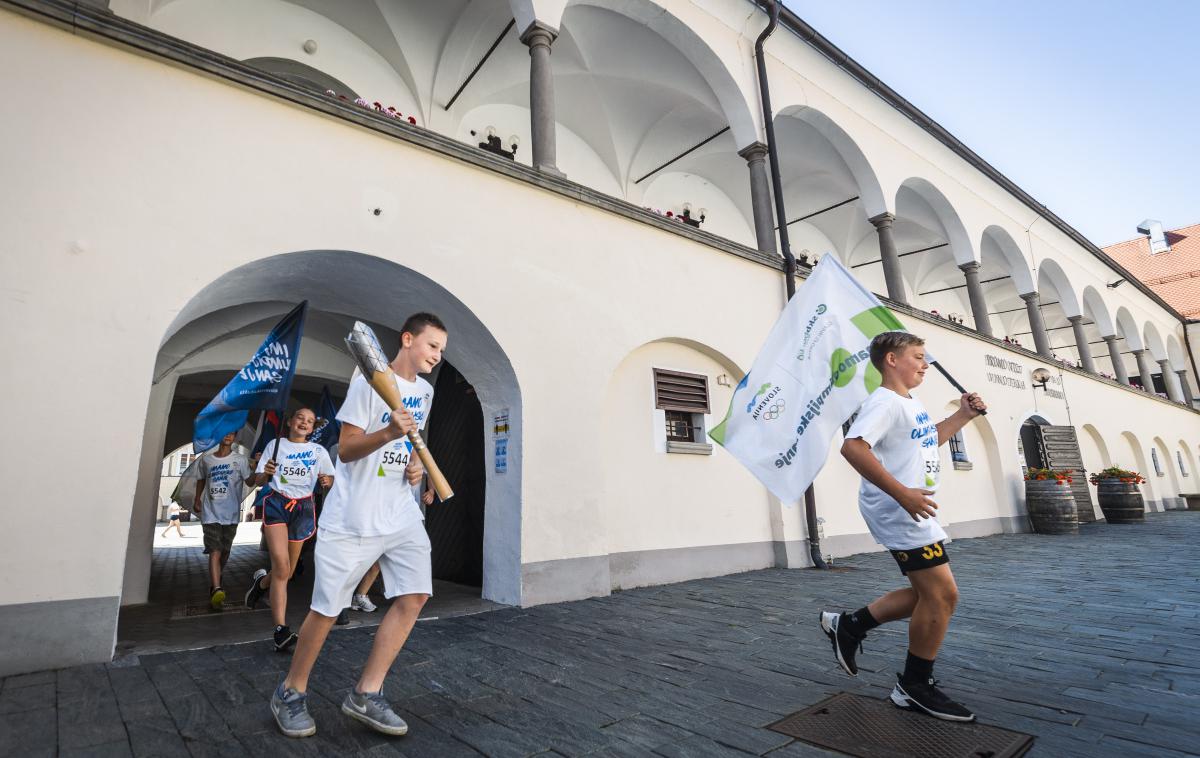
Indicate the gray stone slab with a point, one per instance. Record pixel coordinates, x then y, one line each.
29 733
30 698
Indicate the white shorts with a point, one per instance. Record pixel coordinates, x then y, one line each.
342 560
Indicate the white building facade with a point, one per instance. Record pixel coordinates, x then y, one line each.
177 176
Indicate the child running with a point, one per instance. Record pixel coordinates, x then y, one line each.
371 515
289 515
221 475
894 446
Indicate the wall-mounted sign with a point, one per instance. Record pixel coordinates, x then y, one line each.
1005 372
1055 381
500 432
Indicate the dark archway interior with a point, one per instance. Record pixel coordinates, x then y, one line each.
455 437
1029 442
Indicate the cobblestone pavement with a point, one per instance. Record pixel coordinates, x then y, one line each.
1088 642
177 617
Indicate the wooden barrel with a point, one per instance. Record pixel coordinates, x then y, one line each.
1121 502
1051 507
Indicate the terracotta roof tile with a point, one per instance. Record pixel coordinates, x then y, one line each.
1175 275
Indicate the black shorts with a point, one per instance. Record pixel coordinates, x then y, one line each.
218 538
921 557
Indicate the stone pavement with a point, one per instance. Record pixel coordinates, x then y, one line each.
177 616
1087 642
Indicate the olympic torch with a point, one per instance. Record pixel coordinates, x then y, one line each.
364 346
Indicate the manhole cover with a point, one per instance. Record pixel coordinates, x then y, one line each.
871 728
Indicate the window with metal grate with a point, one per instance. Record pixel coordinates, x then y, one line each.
684 399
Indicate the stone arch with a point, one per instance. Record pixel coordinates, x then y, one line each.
1004 275
1051 275
1170 499
1096 440
1189 461
1004 490
1096 309
736 105
847 150
725 216
1127 329
1175 353
353 286
963 251
670 483
1140 463
1006 258
1154 342
632 81
302 74
356 46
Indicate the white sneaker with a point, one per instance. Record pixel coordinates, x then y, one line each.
362 603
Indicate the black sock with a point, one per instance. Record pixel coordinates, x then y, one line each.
859 622
917 669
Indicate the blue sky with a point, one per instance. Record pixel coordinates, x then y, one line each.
1091 107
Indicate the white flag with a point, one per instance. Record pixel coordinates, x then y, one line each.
813 372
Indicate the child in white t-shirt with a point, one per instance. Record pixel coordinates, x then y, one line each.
893 443
289 514
371 515
221 474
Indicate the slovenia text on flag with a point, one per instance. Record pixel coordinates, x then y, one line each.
263 383
813 372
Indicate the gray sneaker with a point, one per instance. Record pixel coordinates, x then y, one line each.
291 713
373 710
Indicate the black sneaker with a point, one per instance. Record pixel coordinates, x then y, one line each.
255 593
845 644
284 638
343 618
926 698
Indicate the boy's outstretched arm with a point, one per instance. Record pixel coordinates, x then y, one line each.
912 499
969 406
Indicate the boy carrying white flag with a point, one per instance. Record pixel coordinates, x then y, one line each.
813 372
833 347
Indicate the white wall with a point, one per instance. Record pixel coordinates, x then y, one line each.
113 224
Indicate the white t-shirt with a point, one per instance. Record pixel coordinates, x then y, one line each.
371 496
297 468
221 499
904 439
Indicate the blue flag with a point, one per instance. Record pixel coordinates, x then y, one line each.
328 429
264 382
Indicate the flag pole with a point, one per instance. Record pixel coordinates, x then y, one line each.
283 402
953 382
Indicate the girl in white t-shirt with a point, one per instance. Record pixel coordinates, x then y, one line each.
894 444
289 513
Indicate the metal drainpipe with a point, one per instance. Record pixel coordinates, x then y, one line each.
789 260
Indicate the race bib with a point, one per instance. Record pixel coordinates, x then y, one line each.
924 433
395 458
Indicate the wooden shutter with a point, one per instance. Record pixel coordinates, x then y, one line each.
1060 450
677 391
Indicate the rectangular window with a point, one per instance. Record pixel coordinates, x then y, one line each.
681 427
1182 468
1157 464
683 398
185 460
958 448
